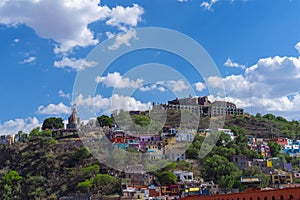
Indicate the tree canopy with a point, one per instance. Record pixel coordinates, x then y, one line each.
52 123
167 178
274 148
105 120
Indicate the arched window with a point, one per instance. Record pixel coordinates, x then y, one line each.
291 197
281 197
258 198
266 198
273 198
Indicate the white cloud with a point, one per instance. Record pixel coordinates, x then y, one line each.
182 1
129 16
208 4
200 86
29 60
107 105
53 109
109 34
230 63
214 81
275 76
66 21
298 47
122 38
174 85
152 87
73 63
64 95
271 85
13 126
117 81
17 40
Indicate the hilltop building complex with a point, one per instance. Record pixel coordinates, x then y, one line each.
203 106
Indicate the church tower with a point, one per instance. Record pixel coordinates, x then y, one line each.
73 120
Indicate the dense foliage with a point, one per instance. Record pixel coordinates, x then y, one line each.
53 123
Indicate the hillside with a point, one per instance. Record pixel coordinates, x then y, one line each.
49 168
44 167
267 126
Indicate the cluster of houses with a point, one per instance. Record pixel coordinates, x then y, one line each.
142 186
288 146
280 172
166 145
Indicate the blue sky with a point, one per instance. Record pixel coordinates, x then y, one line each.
44 44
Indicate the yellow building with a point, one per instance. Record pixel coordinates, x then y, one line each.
281 178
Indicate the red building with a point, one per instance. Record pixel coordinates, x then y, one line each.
281 141
117 136
278 194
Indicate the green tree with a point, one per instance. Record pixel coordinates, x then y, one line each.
192 152
256 171
91 171
46 133
85 186
105 184
269 117
275 148
223 139
35 131
81 153
258 115
240 134
167 178
281 119
216 166
11 185
105 120
53 123
34 187
141 120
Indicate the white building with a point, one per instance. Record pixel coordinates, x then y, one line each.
184 176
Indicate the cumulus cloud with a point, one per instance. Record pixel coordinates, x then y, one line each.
272 84
54 109
117 81
174 85
107 105
129 16
200 86
73 63
152 87
182 1
229 63
66 21
63 95
207 5
11 127
122 38
275 76
29 60
214 81
298 47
